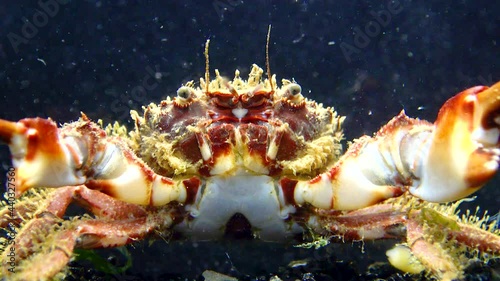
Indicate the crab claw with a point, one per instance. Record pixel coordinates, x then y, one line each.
41 157
464 150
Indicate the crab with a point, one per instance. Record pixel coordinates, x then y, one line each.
237 157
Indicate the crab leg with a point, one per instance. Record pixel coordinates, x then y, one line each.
430 255
438 162
438 242
81 153
118 223
45 216
475 238
84 234
383 221
375 222
433 241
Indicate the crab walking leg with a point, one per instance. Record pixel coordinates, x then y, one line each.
84 234
436 259
438 162
44 267
475 238
81 153
380 221
9 214
47 215
117 223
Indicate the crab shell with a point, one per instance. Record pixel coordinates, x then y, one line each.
238 127
238 133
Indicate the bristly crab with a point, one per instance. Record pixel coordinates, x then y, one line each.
247 156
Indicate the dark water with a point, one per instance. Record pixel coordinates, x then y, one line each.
58 58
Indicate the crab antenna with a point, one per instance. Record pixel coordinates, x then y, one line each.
268 67
207 67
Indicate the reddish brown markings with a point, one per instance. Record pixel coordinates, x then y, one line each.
225 100
370 220
192 185
231 100
355 148
166 180
288 188
189 148
288 147
222 115
221 134
332 173
34 146
173 118
222 139
103 205
254 118
59 201
93 139
204 170
454 109
255 100
102 186
8 129
75 156
254 115
476 174
350 227
467 113
299 119
491 110
46 138
399 181
398 123
275 169
93 231
475 238
255 138
146 171
316 179
396 192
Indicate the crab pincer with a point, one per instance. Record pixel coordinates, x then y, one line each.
39 153
464 151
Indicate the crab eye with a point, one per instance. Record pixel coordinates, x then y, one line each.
294 89
184 97
293 95
184 92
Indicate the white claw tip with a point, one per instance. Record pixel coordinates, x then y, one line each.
403 259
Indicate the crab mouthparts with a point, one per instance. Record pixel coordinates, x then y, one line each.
239 112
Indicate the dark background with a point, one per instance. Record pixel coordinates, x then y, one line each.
94 56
